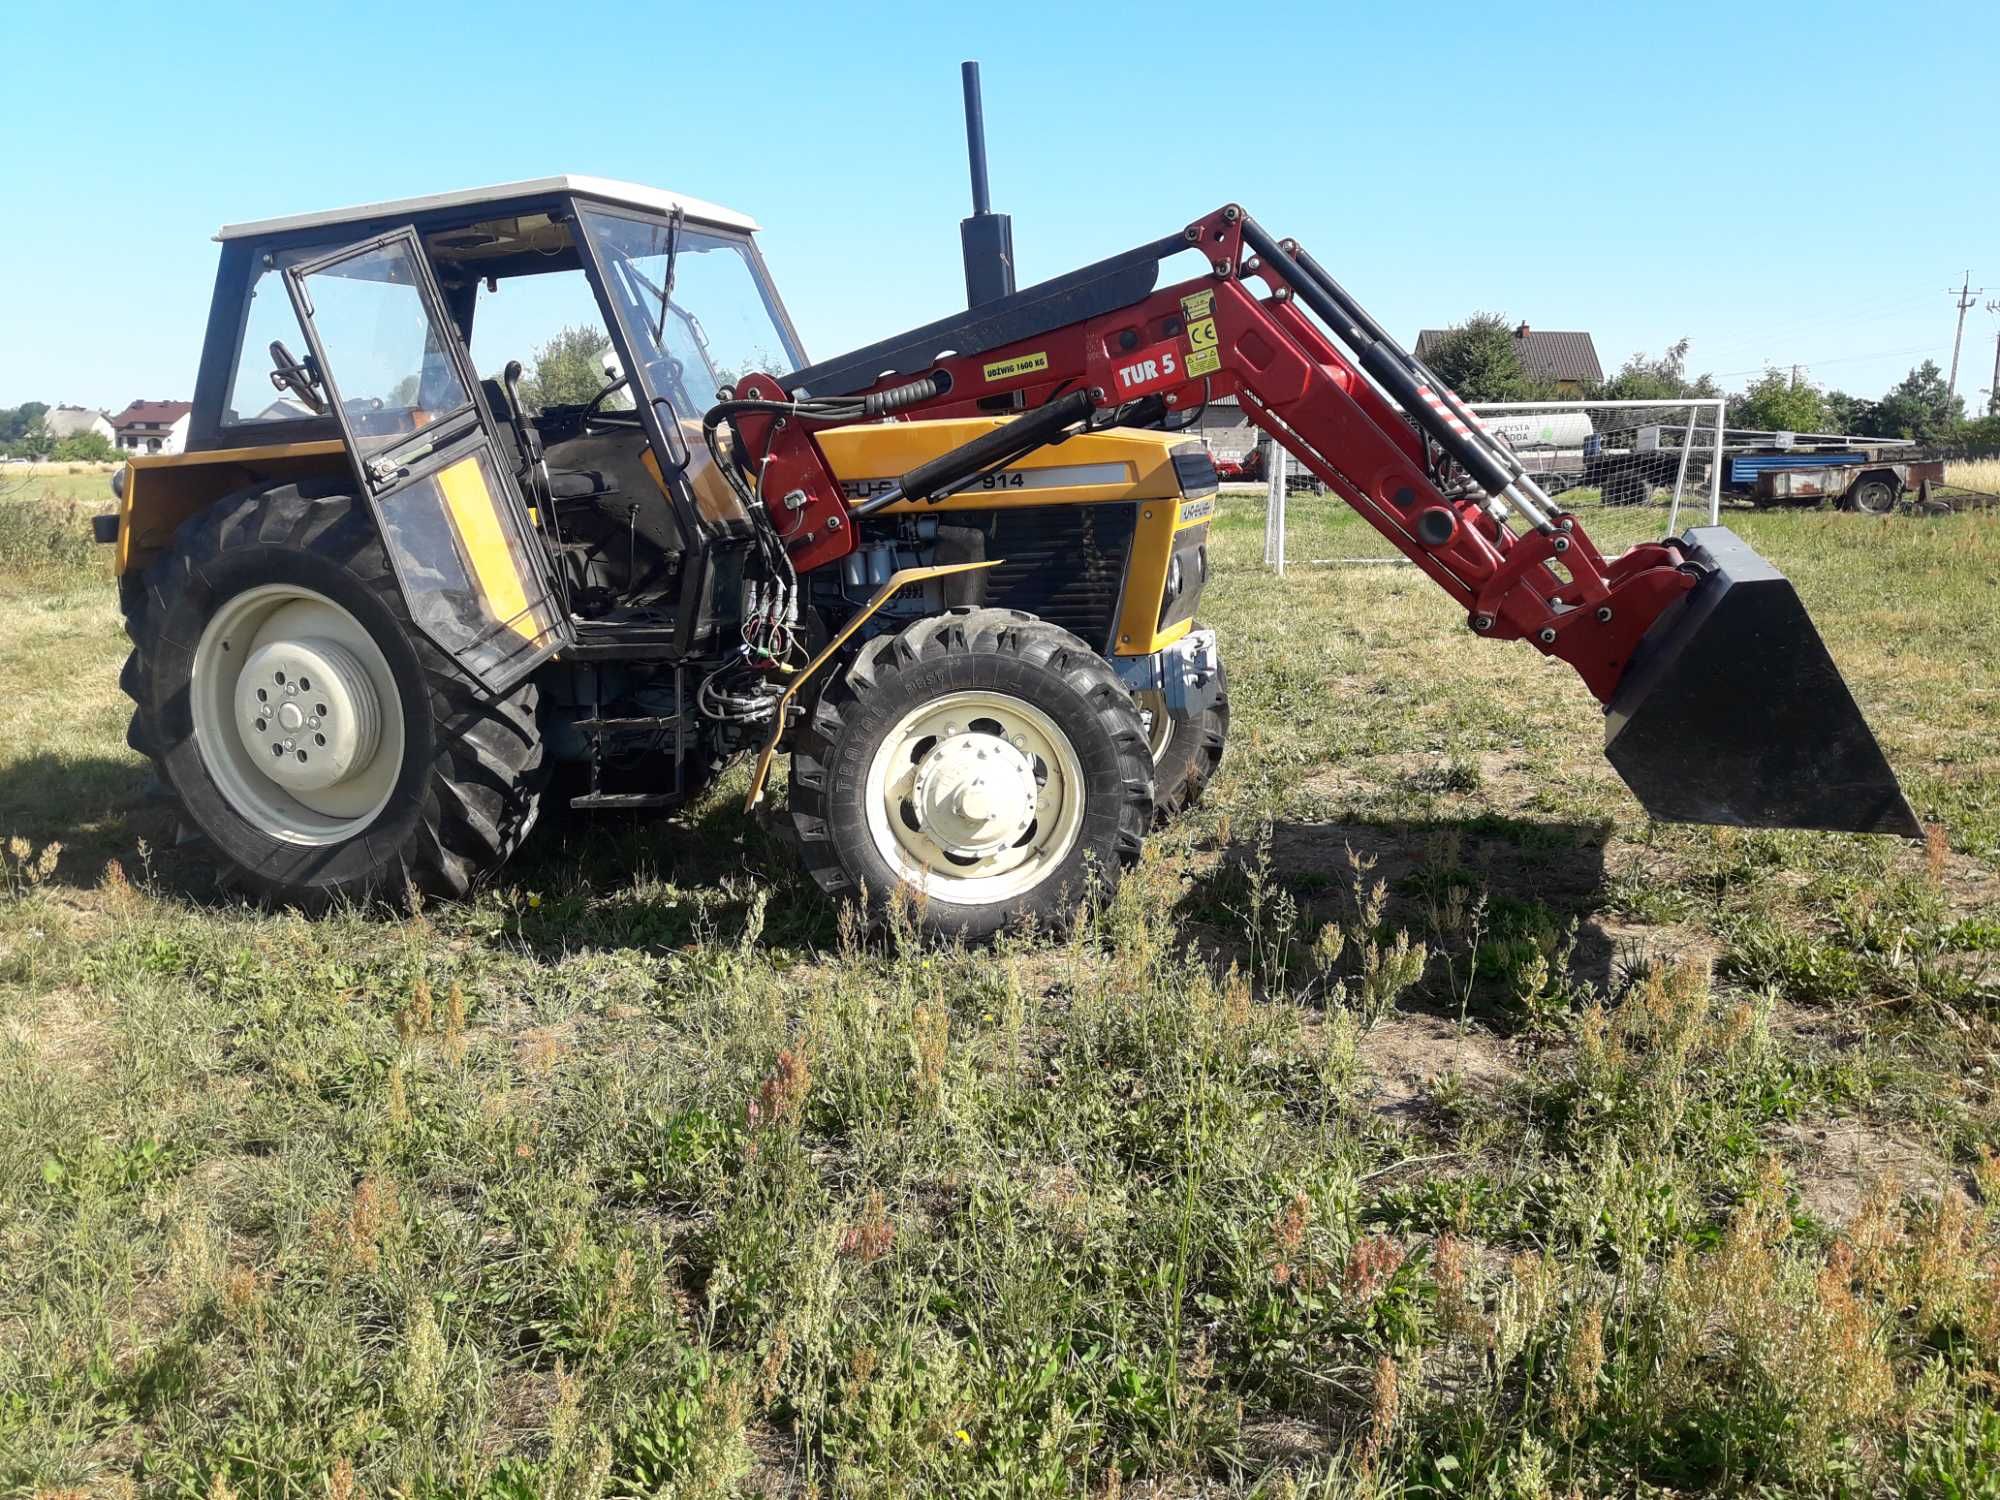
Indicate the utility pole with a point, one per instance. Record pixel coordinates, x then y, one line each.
1966 297
1993 391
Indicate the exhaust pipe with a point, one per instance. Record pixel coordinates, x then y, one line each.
987 238
1732 711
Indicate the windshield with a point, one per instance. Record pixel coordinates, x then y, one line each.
719 323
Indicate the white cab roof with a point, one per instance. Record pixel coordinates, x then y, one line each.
629 193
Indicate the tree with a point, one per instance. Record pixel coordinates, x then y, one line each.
569 370
1855 415
1477 358
35 442
85 448
1979 437
1778 402
1920 407
16 420
1662 379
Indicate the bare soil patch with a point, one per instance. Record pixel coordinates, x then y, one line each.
1836 1162
1408 1053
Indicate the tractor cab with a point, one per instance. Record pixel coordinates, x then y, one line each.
523 368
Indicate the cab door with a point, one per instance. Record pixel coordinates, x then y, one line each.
473 570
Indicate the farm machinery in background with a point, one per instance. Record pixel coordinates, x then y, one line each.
1769 469
1249 467
1626 459
954 574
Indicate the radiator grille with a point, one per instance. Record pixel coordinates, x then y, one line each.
1065 563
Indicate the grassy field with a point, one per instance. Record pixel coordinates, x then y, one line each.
1419 1120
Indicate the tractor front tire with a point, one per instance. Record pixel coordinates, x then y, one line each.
380 767
987 762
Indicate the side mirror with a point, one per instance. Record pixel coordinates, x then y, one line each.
300 377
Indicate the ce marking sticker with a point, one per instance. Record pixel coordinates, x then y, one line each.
1204 355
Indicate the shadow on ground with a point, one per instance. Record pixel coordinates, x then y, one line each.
605 879
98 807
1535 876
707 872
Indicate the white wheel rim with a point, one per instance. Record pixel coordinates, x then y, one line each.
296 715
1159 723
975 798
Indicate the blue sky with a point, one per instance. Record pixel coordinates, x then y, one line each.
1781 182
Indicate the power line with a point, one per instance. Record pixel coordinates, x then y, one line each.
1872 313
1737 343
1843 359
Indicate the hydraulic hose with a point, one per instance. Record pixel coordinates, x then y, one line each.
1022 435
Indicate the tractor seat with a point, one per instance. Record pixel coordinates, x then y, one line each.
564 484
580 484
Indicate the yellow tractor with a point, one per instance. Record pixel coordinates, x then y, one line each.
397 580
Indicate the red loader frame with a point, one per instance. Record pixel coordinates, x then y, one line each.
1215 336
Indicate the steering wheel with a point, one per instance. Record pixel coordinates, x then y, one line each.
594 412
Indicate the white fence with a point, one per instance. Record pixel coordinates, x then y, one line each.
1617 453
1611 453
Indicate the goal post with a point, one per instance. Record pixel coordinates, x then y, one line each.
1581 453
1618 453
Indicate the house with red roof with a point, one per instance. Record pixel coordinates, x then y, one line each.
152 426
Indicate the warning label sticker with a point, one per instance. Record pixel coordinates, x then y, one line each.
1204 358
1021 364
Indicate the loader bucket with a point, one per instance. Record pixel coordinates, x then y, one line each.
1732 712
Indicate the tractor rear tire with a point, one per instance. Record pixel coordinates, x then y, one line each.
423 782
987 762
1186 752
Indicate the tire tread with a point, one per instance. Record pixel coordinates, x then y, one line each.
483 789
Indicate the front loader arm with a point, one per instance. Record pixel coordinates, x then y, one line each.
1239 330
1382 433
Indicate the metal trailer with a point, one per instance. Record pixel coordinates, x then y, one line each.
1632 464
1863 485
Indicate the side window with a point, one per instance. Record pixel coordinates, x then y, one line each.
252 397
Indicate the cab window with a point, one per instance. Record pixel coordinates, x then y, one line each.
268 317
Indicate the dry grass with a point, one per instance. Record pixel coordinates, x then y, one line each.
1974 474
643 1174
